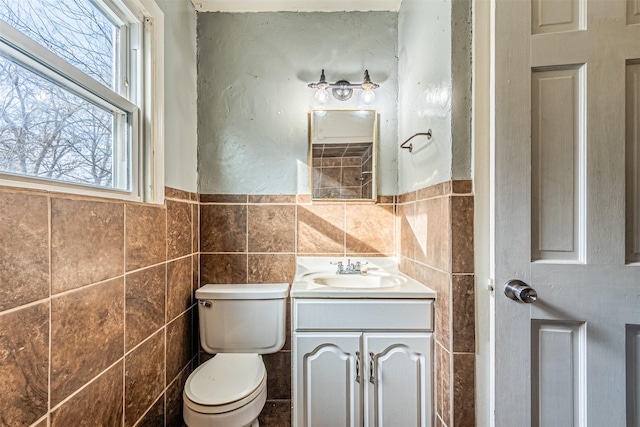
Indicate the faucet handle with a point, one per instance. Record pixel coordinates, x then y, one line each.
339 264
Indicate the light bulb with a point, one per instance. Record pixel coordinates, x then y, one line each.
368 95
322 95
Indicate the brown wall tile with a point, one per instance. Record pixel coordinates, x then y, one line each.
432 233
87 242
174 193
443 316
437 378
408 241
407 197
432 191
464 186
145 303
179 229
155 416
272 228
223 268
445 375
179 287
144 377
464 409
464 314
195 232
276 413
87 335
24 252
278 367
271 268
386 199
223 198
223 228
24 365
321 229
196 271
43 423
99 404
173 399
369 229
272 198
462 234
179 345
146 235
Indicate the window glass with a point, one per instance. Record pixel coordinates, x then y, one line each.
75 30
47 131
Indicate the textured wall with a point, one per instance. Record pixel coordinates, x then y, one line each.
434 68
181 142
253 99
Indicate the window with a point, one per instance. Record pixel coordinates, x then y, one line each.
81 96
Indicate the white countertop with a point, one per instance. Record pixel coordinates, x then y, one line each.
305 287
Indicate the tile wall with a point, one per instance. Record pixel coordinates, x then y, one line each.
435 229
249 238
255 239
97 316
96 309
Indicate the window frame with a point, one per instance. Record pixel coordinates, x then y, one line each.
145 107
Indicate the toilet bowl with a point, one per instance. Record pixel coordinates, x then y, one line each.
228 390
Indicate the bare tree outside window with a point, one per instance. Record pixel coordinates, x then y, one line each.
47 130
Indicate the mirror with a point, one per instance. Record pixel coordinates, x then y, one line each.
342 154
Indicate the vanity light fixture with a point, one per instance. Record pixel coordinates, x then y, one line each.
342 90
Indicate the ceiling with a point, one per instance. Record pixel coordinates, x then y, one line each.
295 5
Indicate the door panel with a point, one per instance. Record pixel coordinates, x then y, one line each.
558 373
555 16
557 157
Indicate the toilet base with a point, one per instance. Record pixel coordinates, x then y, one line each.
246 416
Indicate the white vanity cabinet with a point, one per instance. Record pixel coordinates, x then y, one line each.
362 362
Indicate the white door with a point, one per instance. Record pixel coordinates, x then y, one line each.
566 91
326 377
398 389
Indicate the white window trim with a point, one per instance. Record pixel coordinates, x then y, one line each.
147 162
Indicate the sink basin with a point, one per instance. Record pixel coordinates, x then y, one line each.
372 280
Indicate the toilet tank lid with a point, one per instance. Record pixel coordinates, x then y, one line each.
244 291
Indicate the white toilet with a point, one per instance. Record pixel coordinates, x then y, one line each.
239 323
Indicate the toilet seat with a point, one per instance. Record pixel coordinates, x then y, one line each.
224 383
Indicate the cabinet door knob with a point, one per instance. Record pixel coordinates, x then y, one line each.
357 366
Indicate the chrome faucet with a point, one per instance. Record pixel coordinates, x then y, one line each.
349 268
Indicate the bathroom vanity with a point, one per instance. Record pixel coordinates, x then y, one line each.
362 346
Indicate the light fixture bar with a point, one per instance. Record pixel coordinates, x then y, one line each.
342 90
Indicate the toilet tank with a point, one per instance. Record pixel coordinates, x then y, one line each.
242 318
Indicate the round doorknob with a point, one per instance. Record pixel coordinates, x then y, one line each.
519 291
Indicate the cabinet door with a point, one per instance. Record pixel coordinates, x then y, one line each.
327 390
398 389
